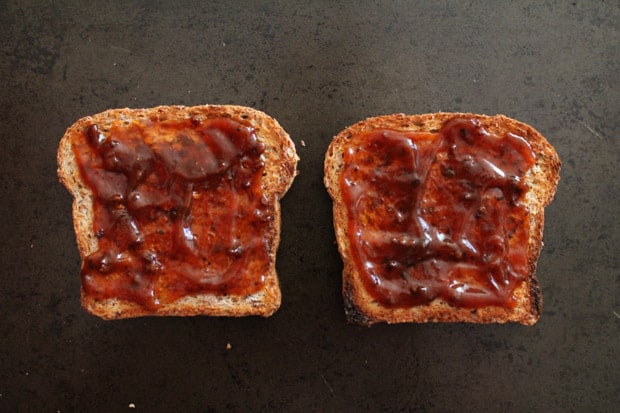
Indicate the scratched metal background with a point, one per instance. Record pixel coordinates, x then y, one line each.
317 67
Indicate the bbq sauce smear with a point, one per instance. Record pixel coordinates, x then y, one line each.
178 210
438 215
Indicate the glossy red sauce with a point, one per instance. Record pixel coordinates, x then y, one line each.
178 215
438 215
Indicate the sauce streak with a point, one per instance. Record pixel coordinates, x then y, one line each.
178 210
438 215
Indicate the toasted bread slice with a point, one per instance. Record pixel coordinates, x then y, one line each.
176 209
439 217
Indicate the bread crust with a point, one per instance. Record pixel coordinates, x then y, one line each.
280 169
541 179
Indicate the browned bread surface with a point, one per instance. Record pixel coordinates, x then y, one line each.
541 180
280 162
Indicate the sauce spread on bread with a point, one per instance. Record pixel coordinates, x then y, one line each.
438 214
178 209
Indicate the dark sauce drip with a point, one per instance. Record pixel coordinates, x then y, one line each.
176 216
438 215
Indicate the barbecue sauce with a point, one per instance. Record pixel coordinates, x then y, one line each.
178 210
438 214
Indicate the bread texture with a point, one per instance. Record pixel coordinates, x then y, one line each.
541 181
280 168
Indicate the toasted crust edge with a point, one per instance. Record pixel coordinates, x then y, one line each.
280 166
542 179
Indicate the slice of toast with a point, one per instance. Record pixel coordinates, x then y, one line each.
176 209
439 217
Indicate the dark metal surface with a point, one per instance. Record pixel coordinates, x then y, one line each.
316 68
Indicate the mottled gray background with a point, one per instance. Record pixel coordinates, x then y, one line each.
317 67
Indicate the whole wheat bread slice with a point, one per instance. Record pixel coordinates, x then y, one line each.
280 161
541 181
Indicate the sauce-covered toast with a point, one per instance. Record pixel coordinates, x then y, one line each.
439 217
176 209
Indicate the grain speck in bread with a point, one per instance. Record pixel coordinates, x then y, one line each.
422 251
274 170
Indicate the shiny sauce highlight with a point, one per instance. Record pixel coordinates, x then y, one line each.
438 215
178 210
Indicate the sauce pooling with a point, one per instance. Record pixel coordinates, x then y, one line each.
178 210
438 215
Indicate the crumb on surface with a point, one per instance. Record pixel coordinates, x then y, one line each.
228 346
132 405
303 143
